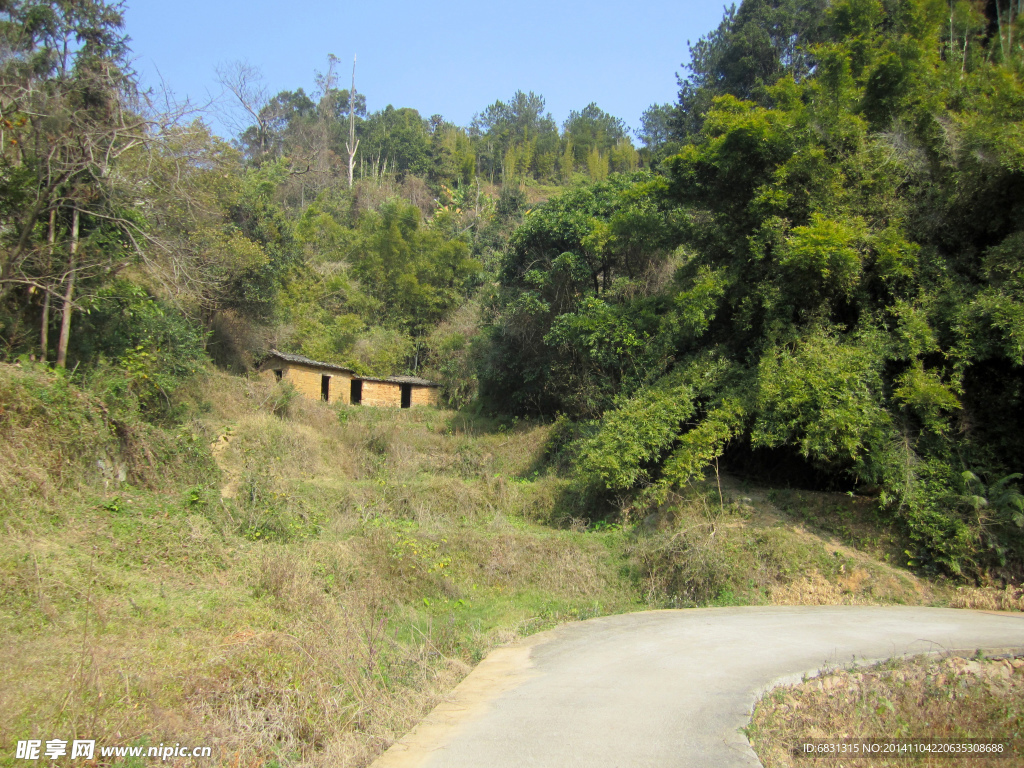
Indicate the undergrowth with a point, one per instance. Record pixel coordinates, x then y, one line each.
293 583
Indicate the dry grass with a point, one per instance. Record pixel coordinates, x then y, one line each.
1009 598
857 521
949 699
337 681
862 583
305 605
73 436
308 598
709 550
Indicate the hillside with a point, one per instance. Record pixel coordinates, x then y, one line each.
809 274
292 582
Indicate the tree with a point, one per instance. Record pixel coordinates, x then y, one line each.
843 291
512 137
753 47
451 149
573 325
656 133
416 272
395 141
655 125
592 128
194 185
70 112
246 83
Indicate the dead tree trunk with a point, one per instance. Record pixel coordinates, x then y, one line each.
352 145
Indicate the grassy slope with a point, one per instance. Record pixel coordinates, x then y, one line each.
294 583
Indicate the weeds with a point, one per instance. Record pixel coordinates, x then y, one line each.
308 605
310 596
952 698
699 551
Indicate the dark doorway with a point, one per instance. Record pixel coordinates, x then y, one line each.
406 395
325 388
278 374
356 392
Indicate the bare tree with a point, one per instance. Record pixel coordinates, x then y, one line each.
248 86
327 83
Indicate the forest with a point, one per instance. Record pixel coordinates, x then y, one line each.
808 269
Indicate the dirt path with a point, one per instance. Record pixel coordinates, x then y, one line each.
219 448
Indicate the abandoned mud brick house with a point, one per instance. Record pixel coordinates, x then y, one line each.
317 381
335 384
404 391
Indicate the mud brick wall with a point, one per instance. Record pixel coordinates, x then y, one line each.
382 394
307 379
424 395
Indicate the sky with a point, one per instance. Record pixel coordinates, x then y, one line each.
452 58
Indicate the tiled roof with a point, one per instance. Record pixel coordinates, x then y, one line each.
413 380
304 361
400 380
317 364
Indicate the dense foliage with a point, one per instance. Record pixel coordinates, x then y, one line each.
826 274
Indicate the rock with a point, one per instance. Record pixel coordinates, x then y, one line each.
973 668
828 683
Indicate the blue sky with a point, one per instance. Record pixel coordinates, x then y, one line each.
451 58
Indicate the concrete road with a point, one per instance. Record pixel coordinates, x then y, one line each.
666 688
